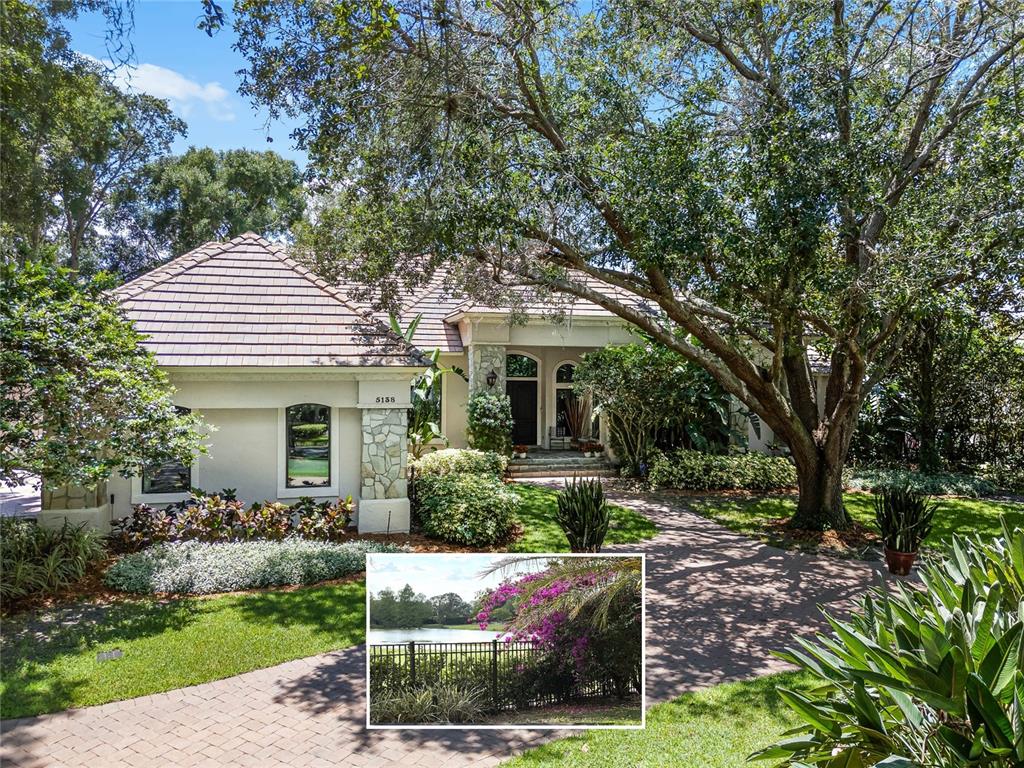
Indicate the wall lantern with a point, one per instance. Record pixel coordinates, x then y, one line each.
492 378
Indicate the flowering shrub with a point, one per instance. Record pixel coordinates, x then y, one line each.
464 460
194 567
584 611
466 509
221 517
489 422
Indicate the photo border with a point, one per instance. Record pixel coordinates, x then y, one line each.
512 726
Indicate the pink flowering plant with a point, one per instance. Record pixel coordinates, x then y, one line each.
585 612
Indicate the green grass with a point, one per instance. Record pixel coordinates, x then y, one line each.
574 715
714 728
495 627
959 515
47 666
542 534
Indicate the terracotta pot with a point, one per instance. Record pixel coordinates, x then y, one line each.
899 563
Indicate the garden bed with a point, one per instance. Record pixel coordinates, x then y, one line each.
627 712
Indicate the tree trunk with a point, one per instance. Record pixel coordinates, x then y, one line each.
820 506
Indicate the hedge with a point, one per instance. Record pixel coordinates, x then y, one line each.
477 510
696 471
461 460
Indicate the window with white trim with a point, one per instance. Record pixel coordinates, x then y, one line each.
308 446
170 476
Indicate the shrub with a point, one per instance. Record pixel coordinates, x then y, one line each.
904 517
583 515
221 517
477 510
324 521
920 677
440 703
489 422
35 560
1007 474
943 484
465 460
697 471
194 567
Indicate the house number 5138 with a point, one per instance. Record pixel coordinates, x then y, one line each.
386 399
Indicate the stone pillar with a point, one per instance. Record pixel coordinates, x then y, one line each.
384 502
77 505
484 358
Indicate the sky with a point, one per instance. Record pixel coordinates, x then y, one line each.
195 73
436 574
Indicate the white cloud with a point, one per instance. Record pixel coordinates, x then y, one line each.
183 93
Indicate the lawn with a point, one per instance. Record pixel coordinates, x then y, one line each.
50 664
562 714
755 516
542 534
714 728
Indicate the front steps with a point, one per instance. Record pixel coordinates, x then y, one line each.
560 464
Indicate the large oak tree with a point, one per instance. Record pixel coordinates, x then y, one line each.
773 180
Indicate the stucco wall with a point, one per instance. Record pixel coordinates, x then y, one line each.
456 390
245 453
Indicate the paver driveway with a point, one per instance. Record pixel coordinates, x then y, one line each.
717 604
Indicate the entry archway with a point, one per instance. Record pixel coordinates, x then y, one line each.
522 384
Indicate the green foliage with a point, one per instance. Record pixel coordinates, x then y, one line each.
198 568
439 703
940 484
904 516
920 677
583 514
71 138
406 608
538 512
489 422
870 169
180 202
462 461
643 390
954 398
36 560
324 521
79 395
696 471
477 510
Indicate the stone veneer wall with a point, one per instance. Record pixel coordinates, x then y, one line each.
484 358
74 497
385 445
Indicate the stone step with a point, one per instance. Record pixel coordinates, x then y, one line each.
567 472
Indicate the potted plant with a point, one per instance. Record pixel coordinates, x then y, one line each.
904 516
587 449
520 451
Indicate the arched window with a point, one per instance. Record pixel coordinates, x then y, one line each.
520 367
308 435
564 373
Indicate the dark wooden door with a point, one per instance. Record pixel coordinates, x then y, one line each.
523 395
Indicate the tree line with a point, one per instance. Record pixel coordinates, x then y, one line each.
407 608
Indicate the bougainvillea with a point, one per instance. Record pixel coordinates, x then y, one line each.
586 612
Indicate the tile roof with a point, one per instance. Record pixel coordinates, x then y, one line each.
440 303
246 303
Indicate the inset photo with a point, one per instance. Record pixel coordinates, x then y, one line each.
496 640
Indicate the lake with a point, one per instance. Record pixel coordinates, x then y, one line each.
432 635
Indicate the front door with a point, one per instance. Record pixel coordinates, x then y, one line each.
523 395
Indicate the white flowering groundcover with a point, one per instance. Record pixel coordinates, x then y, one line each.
198 568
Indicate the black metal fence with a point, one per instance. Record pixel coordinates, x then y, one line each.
516 675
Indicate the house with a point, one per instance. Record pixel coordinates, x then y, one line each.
308 391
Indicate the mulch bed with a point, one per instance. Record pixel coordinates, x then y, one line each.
855 541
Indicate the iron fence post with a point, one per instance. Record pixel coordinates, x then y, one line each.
412 663
494 671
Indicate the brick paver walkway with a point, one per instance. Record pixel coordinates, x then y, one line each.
717 604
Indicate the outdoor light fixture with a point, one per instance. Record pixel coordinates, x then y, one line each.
492 378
